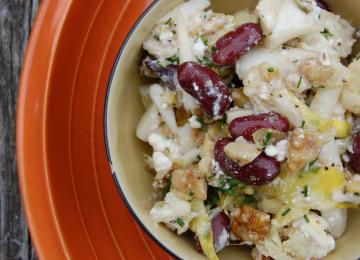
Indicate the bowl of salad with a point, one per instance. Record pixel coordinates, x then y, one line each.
232 128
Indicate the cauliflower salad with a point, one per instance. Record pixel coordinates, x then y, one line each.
252 118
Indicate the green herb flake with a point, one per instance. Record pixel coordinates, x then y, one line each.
327 231
306 190
311 164
180 222
230 186
198 157
286 212
248 199
267 138
201 121
156 37
223 120
270 69
306 218
303 124
167 187
174 59
207 62
191 193
212 198
295 61
169 21
357 194
214 49
299 82
204 40
321 86
327 34
357 57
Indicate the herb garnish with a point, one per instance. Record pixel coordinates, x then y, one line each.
248 199
303 124
167 187
299 82
267 138
270 69
306 191
207 62
180 222
306 218
327 34
169 21
230 186
174 59
286 212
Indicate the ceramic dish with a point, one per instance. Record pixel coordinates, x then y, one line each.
123 111
71 202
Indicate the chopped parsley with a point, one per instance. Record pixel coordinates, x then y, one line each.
204 40
267 138
311 164
201 121
198 157
270 69
357 57
156 37
327 231
223 120
207 62
295 61
321 86
286 212
230 186
247 199
191 193
173 59
299 82
306 218
306 191
214 49
167 187
303 124
180 222
357 194
212 198
169 21
327 34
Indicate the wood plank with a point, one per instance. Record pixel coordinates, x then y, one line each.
16 19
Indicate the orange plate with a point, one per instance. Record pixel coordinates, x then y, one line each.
72 205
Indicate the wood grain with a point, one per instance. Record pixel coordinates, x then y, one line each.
16 19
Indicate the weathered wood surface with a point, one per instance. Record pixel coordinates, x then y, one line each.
16 19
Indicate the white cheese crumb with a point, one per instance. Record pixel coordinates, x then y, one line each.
162 163
279 150
199 48
159 142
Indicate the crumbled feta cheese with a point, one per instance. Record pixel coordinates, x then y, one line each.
159 142
166 37
171 210
194 123
199 48
219 174
279 150
162 163
336 219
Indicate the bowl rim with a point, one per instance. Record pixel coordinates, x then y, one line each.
106 139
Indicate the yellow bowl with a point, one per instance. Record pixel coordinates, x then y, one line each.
124 109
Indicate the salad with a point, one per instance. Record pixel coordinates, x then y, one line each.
252 118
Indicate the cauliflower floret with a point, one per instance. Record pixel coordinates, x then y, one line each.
162 164
162 42
174 211
336 219
336 39
286 20
309 238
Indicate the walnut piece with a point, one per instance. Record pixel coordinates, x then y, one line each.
250 224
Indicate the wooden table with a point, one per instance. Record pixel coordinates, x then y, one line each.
16 19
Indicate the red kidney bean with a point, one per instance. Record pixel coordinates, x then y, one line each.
206 87
261 171
220 225
323 5
355 153
235 44
246 126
